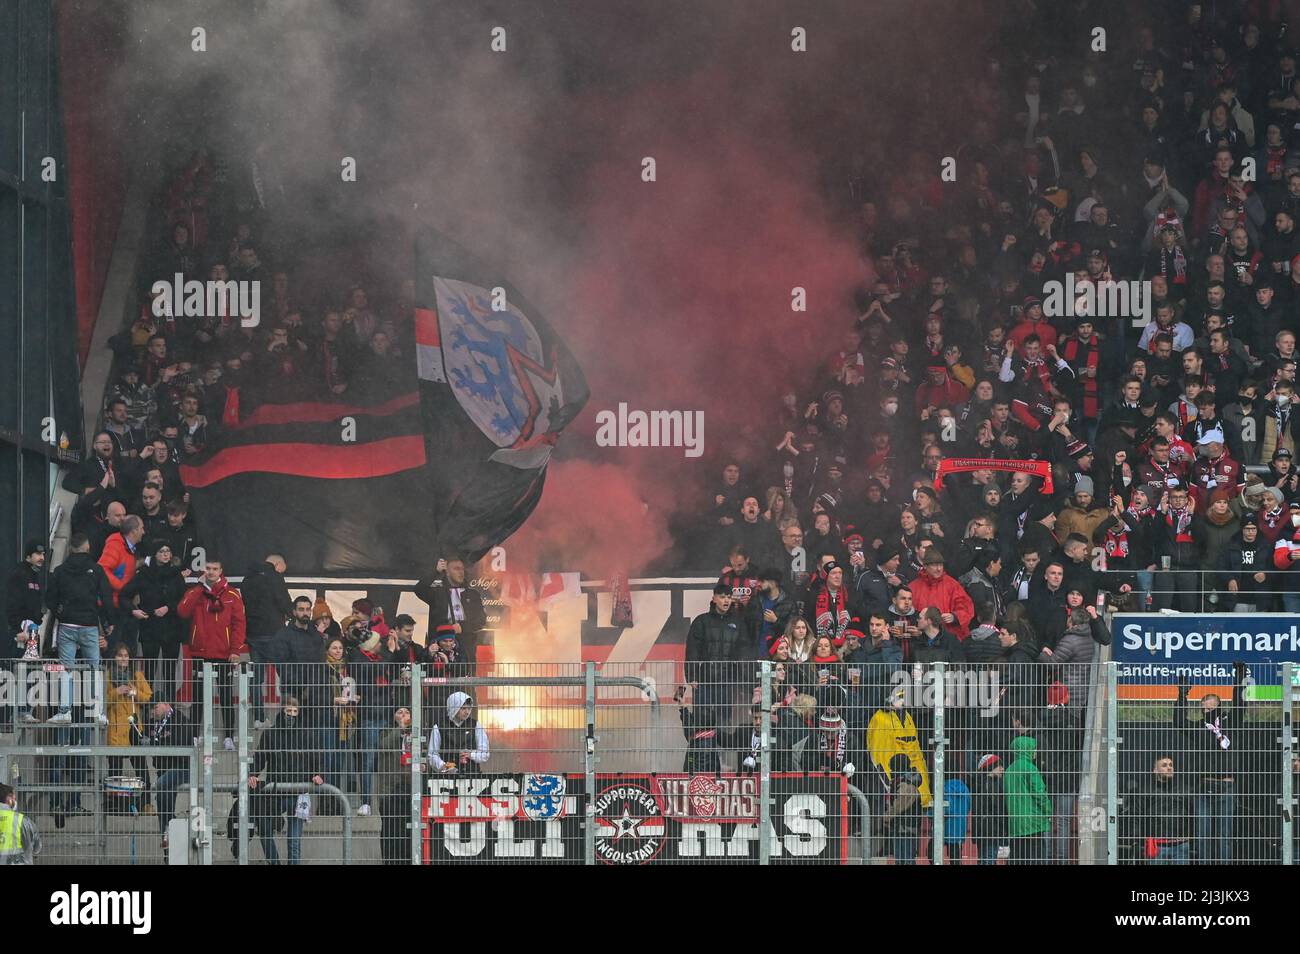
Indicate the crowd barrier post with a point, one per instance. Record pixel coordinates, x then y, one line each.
1287 808
241 775
1091 762
589 760
940 746
199 829
418 750
765 767
209 757
1112 764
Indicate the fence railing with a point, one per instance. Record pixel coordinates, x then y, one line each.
968 759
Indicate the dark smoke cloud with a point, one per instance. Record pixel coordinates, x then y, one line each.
673 294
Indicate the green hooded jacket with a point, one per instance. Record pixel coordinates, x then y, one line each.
1029 809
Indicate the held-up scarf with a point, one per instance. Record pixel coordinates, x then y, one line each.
213 595
832 620
1173 265
1181 522
1038 366
1282 415
834 745
1084 354
1216 729
1117 536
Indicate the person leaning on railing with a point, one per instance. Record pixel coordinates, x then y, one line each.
283 754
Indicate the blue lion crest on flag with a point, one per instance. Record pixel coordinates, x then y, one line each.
497 366
543 796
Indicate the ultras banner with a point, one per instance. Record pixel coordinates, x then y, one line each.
640 819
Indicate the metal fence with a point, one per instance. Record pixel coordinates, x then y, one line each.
1199 590
362 760
1204 768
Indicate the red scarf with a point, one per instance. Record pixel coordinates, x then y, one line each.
1038 366
1181 522
832 621
1117 536
213 595
230 412
1084 354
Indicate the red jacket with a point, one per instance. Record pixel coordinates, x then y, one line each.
216 616
118 561
947 394
946 595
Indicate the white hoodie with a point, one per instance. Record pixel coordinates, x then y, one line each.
480 752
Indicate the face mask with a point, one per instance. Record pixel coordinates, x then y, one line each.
1295 519
787 470
1283 400
1127 480
890 409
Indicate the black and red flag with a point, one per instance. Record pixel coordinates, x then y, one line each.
452 456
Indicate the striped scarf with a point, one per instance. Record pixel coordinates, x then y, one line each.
832 621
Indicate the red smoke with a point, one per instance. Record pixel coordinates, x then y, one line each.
682 301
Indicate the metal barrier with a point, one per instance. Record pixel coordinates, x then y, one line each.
852 758
1202 767
1195 590
121 825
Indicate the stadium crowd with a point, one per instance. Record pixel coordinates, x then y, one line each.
854 549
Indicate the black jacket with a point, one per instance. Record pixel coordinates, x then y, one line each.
284 754
1159 809
299 658
753 616
984 648
988 809
156 585
79 591
436 591
176 729
874 592
182 540
713 641
1045 605
1240 561
266 602
1060 749
1184 555
1203 754
374 682
945 648
24 599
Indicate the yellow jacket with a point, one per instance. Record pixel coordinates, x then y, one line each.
887 736
122 707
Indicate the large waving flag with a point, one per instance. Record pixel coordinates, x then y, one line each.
453 456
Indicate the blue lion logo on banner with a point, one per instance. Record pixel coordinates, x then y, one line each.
543 796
